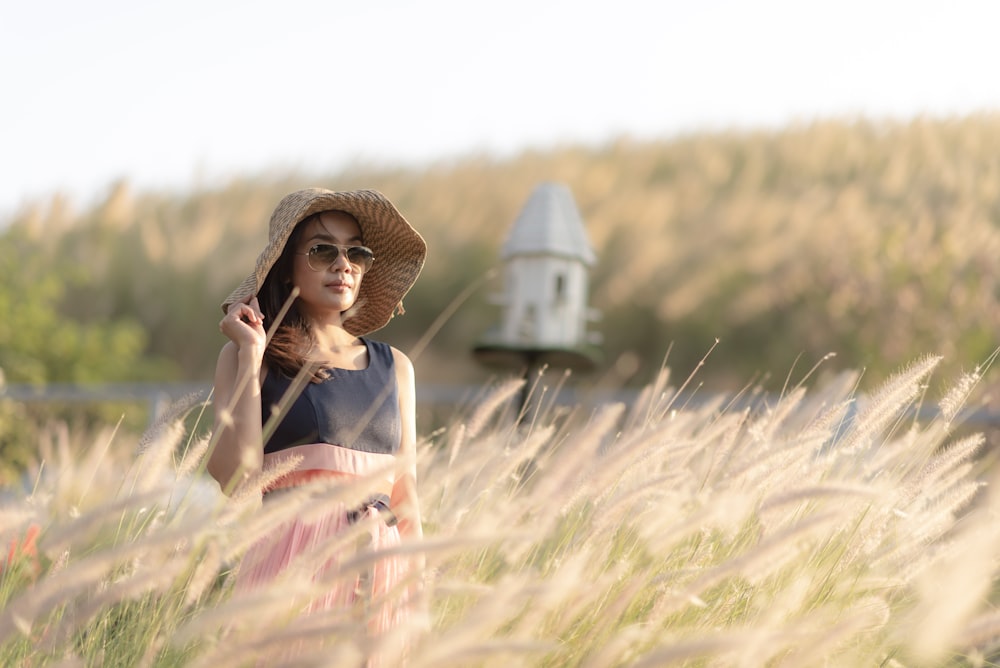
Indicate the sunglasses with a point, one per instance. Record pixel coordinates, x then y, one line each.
322 256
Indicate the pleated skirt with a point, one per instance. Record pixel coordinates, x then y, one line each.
374 595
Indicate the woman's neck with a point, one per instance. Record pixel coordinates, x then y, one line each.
333 338
336 347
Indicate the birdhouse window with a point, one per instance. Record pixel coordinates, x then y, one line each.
560 288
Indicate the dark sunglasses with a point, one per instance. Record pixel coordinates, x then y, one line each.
321 256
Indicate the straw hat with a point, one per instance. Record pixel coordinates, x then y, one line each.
398 249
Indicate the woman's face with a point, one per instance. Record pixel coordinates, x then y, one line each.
327 287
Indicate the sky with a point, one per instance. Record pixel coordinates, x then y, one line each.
187 92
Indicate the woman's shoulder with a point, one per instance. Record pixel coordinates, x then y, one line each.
397 356
404 367
400 357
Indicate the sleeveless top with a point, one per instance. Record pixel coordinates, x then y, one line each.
352 408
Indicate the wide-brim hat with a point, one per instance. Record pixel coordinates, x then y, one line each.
399 251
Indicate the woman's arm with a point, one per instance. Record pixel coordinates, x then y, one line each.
238 451
405 503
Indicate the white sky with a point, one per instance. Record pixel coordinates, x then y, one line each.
168 93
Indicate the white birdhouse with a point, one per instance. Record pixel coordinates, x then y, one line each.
546 259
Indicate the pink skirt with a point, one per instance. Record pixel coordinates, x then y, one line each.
375 595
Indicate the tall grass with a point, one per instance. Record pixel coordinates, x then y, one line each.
818 528
853 236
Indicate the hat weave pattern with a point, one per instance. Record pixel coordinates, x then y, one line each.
399 251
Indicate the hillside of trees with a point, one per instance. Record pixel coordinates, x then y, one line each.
876 241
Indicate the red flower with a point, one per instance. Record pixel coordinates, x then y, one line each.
24 549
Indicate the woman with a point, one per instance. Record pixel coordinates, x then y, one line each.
340 263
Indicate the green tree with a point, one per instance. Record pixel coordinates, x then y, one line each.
38 344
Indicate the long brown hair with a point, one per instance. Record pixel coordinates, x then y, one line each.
285 351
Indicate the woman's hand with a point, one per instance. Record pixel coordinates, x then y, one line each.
244 325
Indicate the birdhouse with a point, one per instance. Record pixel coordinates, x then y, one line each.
546 261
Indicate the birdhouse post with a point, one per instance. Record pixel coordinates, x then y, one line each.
546 261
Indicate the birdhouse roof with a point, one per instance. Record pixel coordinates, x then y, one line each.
549 224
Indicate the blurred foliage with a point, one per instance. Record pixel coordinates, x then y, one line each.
49 335
872 240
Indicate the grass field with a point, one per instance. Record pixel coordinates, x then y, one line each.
821 527
873 240
791 523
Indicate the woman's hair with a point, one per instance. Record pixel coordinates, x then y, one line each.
285 351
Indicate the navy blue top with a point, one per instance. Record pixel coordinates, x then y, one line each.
353 408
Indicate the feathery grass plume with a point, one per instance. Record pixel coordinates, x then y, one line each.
577 455
898 459
824 492
980 629
478 634
550 598
517 460
168 419
82 612
669 401
243 613
247 520
705 646
73 466
957 396
831 637
828 424
268 618
803 415
772 470
530 409
939 472
451 487
80 576
194 457
630 499
676 512
622 646
980 635
549 410
455 443
155 463
14 519
491 477
923 504
936 622
764 427
249 490
459 493
928 524
310 643
909 543
756 564
884 406
91 526
719 459
941 492
928 488
315 557
649 400
573 540
208 564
